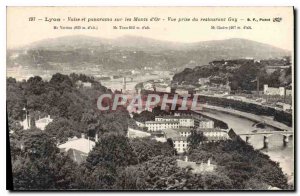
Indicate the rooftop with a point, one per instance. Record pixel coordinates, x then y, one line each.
44 120
81 144
179 138
175 117
171 133
77 155
174 133
211 130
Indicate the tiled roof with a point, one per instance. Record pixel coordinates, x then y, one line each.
77 155
210 130
174 134
161 122
81 144
175 117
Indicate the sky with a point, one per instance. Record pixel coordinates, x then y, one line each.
21 31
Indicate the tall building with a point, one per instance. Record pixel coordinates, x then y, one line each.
180 142
26 123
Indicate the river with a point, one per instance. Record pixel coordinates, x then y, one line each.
283 155
277 152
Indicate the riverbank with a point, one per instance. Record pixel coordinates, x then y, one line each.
283 155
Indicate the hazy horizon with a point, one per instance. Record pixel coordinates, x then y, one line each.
138 36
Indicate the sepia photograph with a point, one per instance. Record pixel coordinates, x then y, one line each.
150 98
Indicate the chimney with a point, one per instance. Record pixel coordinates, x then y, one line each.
96 137
82 135
29 122
186 158
22 146
208 162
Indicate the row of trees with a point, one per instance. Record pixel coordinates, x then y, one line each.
36 161
117 163
38 164
74 109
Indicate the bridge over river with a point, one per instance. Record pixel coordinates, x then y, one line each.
267 134
246 129
253 117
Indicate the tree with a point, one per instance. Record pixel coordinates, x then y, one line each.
143 116
241 163
61 83
61 129
38 165
146 149
195 139
113 150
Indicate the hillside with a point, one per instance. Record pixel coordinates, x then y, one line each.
135 52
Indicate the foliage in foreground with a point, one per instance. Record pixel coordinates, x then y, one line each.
141 164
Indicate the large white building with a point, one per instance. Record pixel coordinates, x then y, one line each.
180 136
180 142
184 120
161 125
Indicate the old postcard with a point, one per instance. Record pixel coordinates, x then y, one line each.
150 98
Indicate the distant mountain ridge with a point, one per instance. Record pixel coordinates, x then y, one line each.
137 52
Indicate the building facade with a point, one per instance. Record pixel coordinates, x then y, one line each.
161 125
214 134
180 144
184 120
43 122
201 122
274 91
